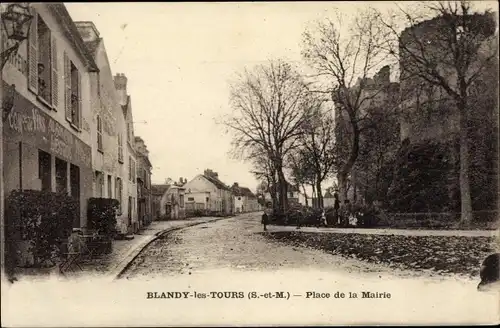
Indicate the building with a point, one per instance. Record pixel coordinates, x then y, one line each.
126 146
158 200
430 121
294 195
244 199
173 203
47 134
144 195
109 169
206 192
380 99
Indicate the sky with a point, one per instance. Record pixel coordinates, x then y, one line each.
179 58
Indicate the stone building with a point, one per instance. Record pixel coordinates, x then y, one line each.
47 135
375 118
430 125
144 194
126 145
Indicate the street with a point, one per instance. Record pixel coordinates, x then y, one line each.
238 244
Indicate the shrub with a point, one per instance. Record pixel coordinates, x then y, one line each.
101 215
43 219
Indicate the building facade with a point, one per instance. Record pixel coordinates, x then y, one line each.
126 145
173 203
431 122
144 194
47 136
208 190
244 199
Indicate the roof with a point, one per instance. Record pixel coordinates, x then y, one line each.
71 32
219 184
290 187
159 189
93 45
242 191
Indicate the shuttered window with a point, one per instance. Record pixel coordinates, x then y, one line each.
33 53
120 148
99 133
54 77
72 93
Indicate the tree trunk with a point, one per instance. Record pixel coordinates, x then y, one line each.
283 190
342 179
305 195
314 195
465 195
319 192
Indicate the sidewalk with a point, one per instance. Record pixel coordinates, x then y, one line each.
124 251
401 232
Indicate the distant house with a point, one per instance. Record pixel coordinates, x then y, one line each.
158 204
244 199
174 203
206 192
293 193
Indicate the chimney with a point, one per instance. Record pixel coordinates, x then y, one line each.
121 87
88 31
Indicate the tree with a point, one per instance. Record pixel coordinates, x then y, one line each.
317 145
302 173
449 47
268 109
345 61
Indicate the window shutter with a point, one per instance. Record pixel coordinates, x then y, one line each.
55 77
67 86
79 81
33 53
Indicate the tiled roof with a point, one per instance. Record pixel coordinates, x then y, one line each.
219 184
246 192
159 189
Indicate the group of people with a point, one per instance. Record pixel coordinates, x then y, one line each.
343 215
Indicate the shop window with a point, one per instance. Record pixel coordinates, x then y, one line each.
44 170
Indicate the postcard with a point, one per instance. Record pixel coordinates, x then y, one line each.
249 163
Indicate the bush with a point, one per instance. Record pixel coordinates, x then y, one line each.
101 215
43 219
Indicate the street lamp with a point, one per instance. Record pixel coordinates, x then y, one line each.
16 22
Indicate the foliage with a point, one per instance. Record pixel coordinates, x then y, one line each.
425 179
448 48
101 215
443 255
44 219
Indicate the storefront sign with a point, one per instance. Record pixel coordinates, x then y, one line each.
33 125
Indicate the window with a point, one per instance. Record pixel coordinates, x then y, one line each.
207 199
131 167
42 71
44 170
99 134
99 183
72 93
190 199
119 191
239 198
44 61
61 176
128 131
120 148
110 189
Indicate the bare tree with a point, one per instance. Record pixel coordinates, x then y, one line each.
317 144
268 109
448 47
344 58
